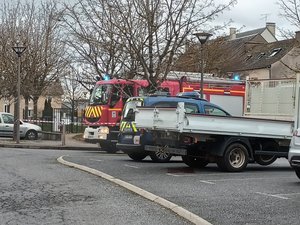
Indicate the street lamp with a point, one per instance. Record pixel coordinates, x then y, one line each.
18 49
202 37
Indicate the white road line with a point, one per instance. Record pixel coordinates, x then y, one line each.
148 195
270 195
206 182
180 175
136 167
253 178
290 194
98 160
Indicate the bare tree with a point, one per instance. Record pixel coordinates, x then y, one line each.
37 28
130 37
290 10
92 41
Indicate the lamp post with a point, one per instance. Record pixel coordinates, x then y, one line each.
202 37
18 49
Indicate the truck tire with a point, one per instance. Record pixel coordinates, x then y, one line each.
108 147
235 158
297 170
265 160
160 155
137 156
194 162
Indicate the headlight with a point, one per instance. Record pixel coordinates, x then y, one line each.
104 130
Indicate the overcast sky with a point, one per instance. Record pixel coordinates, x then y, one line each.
254 14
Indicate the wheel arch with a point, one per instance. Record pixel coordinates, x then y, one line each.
222 146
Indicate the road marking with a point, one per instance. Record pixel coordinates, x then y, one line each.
143 193
97 160
253 178
270 195
136 167
206 182
290 194
179 175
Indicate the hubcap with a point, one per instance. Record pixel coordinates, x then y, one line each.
161 153
237 158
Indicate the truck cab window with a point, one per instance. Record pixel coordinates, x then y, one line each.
100 94
128 91
115 95
191 108
128 111
211 110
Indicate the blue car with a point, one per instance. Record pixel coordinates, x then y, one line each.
132 141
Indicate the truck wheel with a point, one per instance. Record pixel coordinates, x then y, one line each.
137 156
194 162
161 155
31 135
108 147
235 158
265 160
297 170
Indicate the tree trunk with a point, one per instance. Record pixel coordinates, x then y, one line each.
15 120
26 108
35 107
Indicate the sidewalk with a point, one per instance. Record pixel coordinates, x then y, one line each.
71 143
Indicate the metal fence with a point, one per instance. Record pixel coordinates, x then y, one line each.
73 124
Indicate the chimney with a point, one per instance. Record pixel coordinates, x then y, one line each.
297 36
232 33
271 27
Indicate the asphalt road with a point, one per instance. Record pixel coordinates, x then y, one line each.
259 195
36 189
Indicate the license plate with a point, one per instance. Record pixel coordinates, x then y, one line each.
128 136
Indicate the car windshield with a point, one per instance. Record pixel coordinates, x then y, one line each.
128 112
100 94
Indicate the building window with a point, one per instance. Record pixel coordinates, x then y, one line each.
262 54
6 108
248 57
274 52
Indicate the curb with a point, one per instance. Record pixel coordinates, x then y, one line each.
143 193
49 147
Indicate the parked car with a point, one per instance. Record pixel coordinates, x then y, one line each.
27 130
131 141
294 152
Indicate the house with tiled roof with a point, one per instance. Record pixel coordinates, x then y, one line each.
255 54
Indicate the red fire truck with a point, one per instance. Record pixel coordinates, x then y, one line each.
108 97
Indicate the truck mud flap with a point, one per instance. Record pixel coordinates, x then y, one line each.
173 151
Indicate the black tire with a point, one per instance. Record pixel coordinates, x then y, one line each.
265 160
108 147
160 156
297 170
31 135
194 162
137 156
235 158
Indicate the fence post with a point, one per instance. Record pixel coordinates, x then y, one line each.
63 135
